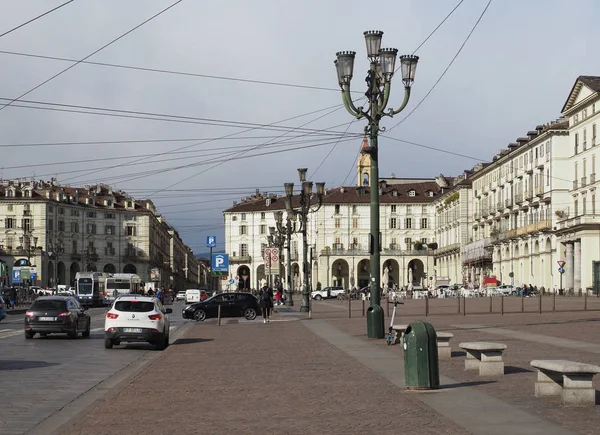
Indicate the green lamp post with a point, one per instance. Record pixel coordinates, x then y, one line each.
379 80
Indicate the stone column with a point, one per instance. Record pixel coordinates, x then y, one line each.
569 267
577 266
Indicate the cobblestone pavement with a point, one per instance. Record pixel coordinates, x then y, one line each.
255 378
517 386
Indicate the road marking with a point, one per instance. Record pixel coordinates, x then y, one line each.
7 335
96 329
6 330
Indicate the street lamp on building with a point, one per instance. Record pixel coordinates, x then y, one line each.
379 79
55 250
287 231
305 207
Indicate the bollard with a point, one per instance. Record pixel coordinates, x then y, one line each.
502 305
585 301
464 305
490 304
540 305
426 306
350 307
387 302
458 299
554 301
522 303
363 303
219 315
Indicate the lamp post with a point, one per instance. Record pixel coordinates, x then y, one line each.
379 78
306 201
29 248
289 300
55 250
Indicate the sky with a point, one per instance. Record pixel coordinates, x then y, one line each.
226 135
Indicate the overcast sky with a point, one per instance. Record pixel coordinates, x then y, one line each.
514 73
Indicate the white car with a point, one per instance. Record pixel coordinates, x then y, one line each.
180 296
137 318
507 290
327 293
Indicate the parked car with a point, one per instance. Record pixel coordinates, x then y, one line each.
2 309
137 318
180 296
57 315
232 305
327 293
508 290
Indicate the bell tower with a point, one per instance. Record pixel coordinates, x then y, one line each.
364 165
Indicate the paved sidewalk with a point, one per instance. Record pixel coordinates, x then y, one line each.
276 378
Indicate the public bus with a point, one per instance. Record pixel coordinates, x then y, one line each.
90 288
121 284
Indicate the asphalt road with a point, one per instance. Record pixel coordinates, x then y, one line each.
41 376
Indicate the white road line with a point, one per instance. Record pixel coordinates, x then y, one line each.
7 335
96 329
6 330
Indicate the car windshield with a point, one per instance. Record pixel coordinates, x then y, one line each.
134 306
49 304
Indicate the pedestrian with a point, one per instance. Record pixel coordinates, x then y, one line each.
266 302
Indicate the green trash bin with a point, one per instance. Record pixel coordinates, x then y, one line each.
421 366
375 322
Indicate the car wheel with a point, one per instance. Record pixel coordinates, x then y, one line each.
86 333
29 335
199 315
72 334
514 293
108 343
318 297
250 314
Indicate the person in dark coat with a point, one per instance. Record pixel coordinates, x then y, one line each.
266 302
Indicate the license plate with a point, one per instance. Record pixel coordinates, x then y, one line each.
47 319
132 329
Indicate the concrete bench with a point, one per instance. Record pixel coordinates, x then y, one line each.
398 333
443 344
570 380
485 357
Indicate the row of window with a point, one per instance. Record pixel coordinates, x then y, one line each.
91 228
584 139
90 249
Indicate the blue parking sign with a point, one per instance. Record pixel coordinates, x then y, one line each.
16 276
220 262
211 241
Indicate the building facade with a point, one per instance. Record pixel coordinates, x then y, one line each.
62 230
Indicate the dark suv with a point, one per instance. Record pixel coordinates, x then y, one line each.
232 305
57 314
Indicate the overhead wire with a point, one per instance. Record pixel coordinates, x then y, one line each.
90 55
35 18
166 71
445 70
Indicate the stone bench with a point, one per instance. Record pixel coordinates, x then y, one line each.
443 344
570 380
398 333
485 357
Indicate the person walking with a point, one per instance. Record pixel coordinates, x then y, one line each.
266 302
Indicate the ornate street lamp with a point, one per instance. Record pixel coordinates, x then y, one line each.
305 207
286 231
379 79
55 250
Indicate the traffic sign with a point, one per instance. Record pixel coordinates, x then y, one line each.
211 241
16 276
232 281
274 262
561 270
267 257
561 263
220 262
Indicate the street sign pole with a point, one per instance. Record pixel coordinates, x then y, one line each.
561 270
210 277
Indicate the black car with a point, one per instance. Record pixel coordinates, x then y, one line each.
57 315
232 305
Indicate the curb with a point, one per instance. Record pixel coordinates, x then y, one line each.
16 311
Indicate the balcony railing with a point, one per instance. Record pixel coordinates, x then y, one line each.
574 184
539 190
500 205
245 258
529 193
345 252
592 178
583 181
508 202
